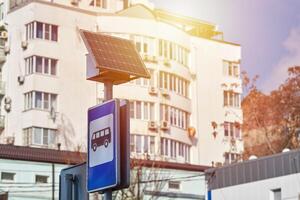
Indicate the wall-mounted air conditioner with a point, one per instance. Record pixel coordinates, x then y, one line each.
152 90
4 35
21 80
164 125
152 125
24 44
165 93
6 50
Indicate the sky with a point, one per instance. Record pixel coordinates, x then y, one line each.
267 30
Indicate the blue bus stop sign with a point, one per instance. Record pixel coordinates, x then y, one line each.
103 165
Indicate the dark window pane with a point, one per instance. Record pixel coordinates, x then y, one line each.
46 65
54 33
39 30
53 66
7 176
47 31
38 64
41 179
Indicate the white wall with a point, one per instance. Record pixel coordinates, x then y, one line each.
76 94
207 100
262 190
24 186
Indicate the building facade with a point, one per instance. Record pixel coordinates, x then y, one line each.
188 112
33 174
274 177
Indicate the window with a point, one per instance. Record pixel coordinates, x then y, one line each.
40 65
142 110
173 83
233 129
131 109
231 68
231 98
231 157
174 52
226 129
174 116
146 144
39 136
138 110
276 194
174 185
138 143
39 30
177 149
42 31
1 11
41 179
132 142
47 31
7 176
152 144
142 144
40 100
99 3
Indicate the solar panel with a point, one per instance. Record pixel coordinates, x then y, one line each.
116 58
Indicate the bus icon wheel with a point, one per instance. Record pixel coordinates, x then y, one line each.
106 143
94 147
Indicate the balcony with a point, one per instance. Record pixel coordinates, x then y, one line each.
2 122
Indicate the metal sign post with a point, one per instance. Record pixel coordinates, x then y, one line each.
72 183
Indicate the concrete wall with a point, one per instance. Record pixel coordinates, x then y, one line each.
24 187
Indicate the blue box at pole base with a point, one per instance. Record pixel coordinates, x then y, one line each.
103 163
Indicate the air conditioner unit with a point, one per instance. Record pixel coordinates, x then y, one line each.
74 2
165 93
167 63
7 100
6 50
4 35
7 107
21 80
164 125
152 90
10 140
152 125
24 44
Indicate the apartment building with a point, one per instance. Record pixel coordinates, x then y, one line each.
188 112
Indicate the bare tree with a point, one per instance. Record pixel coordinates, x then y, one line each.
144 177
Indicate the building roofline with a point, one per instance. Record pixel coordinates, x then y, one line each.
157 13
43 155
40 154
27 2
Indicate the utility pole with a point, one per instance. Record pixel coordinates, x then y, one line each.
108 95
53 181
